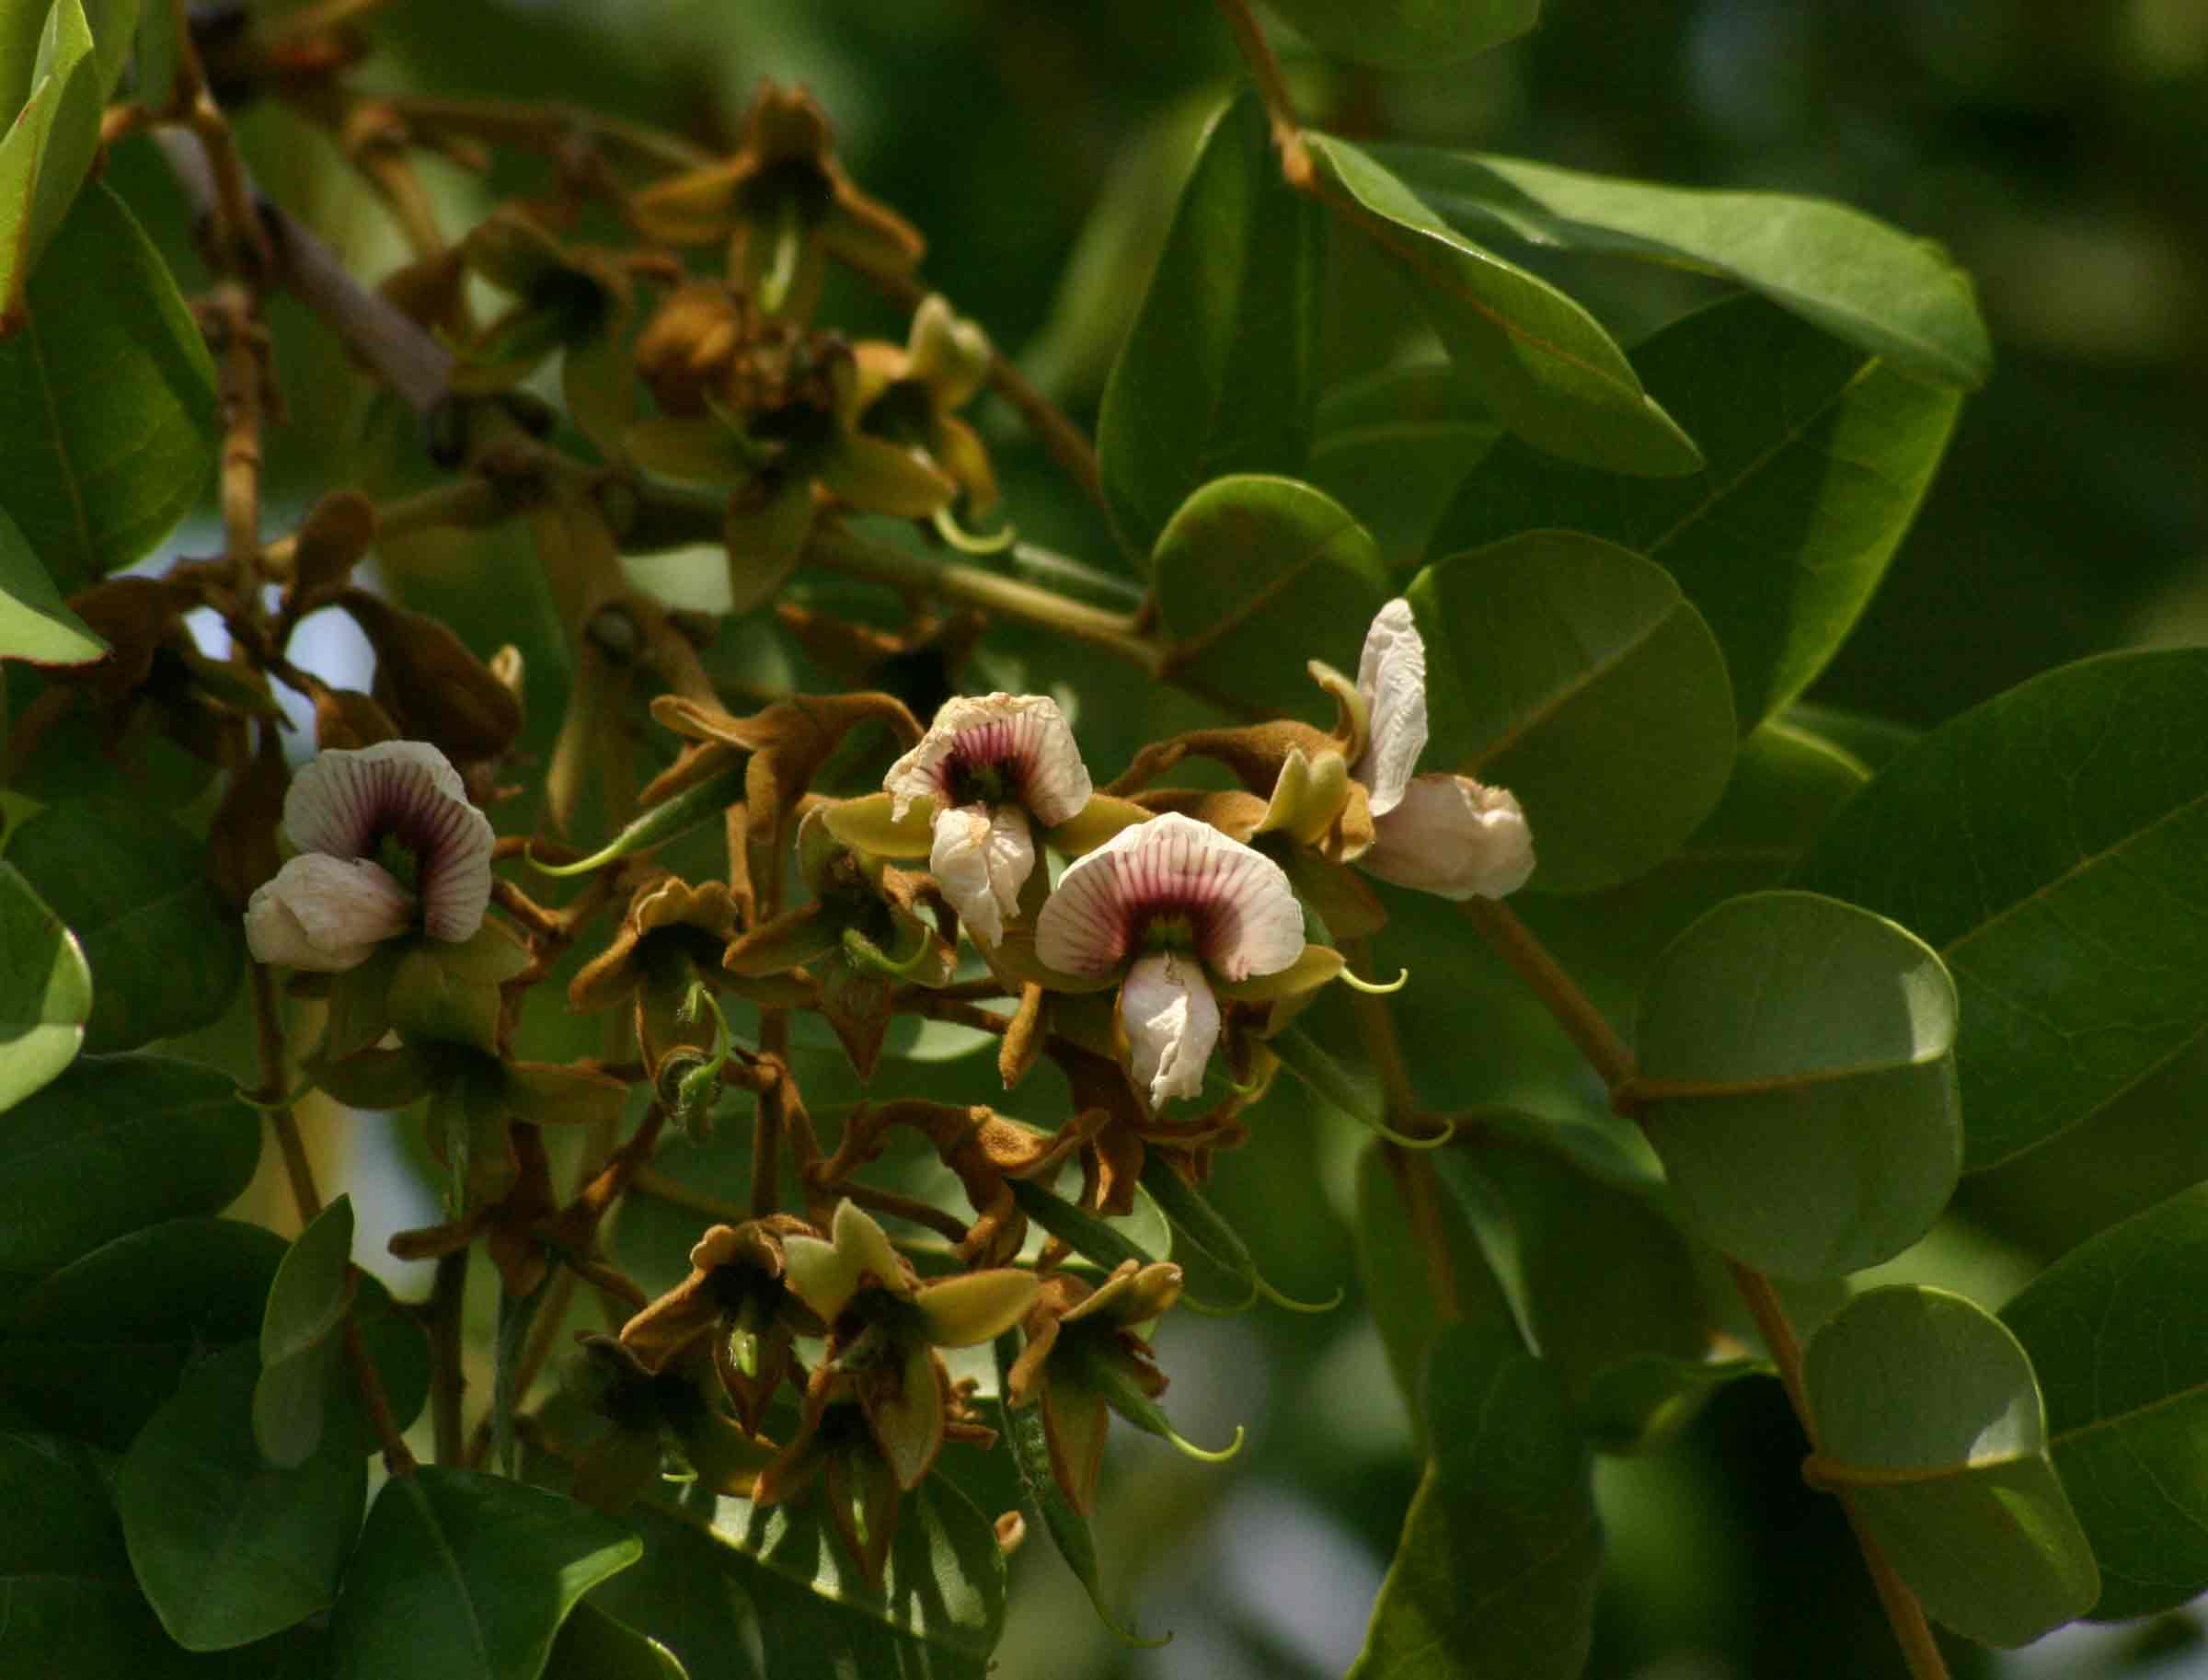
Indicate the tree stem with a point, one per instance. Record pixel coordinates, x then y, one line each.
1583 1024
1273 88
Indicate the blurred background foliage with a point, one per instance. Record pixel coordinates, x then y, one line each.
2059 150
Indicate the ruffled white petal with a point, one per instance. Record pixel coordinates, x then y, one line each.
1454 838
325 913
1238 902
1024 736
982 857
344 803
1391 675
1172 1022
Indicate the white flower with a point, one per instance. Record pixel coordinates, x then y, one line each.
987 765
354 816
1445 834
1171 906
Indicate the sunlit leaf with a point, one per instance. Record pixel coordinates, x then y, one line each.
593 1646
1217 374
1798 1055
2048 844
1816 455
1576 676
35 622
45 995
1538 359
1928 1417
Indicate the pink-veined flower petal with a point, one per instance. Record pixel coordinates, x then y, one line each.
1452 836
1391 676
1241 912
982 857
345 803
1025 738
1172 1022
327 914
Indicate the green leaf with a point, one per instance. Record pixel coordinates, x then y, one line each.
1817 456
2048 844
46 152
45 997
1786 786
1203 1227
1400 1219
1928 1417
1850 274
1218 373
1255 575
228 1548
1536 358
1495 1576
307 1303
107 400
35 622
1408 34
1600 1279
132 887
593 1646
2114 1329
1393 447
114 1144
460 1576
723 1580
1576 676
1798 1074
71 1605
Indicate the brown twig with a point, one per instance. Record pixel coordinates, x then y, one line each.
1280 109
1585 1025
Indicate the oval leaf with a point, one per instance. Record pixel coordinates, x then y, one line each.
1798 1064
228 1548
1218 373
132 887
1497 1567
2114 1331
1394 446
1817 456
45 998
35 622
466 1577
1538 359
1408 34
1929 1421
2049 844
593 1646
1255 576
114 1144
1574 674
1850 274
107 399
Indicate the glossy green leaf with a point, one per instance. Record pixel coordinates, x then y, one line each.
71 1606
228 1548
2114 1331
96 1349
1598 1276
1495 1574
1393 447
46 150
1576 676
307 1303
45 996
1817 455
107 400
35 622
1852 276
1402 1223
2048 844
1218 373
1536 358
1408 34
460 1576
1928 1417
1254 577
593 1646
132 887
114 1144
1798 1064
1786 786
